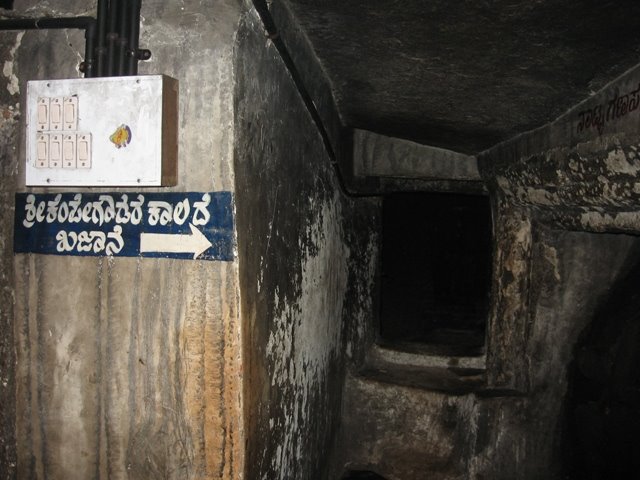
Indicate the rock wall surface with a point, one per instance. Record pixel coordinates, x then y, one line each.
565 203
307 257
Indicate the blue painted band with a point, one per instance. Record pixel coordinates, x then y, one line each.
113 224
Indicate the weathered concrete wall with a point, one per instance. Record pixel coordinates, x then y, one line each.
307 258
579 173
409 433
126 367
570 274
9 131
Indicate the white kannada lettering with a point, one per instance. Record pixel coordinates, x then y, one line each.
64 245
107 210
75 213
201 214
181 212
136 214
90 241
160 212
116 235
101 214
63 212
84 241
52 209
87 211
122 209
30 211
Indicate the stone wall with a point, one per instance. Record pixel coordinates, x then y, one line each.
565 207
306 253
126 367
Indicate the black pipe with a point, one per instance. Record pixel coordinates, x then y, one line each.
112 36
88 24
111 41
123 24
134 36
45 23
89 68
101 38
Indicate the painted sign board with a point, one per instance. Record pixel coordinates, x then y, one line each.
188 225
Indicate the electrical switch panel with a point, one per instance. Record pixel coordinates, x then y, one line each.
54 149
111 131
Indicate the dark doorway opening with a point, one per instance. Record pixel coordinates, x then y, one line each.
436 270
602 408
362 475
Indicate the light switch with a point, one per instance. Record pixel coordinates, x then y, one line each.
84 150
70 113
43 114
55 151
55 114
69 151
133 121
42 148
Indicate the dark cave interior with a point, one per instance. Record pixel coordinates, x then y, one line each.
436 268
601 431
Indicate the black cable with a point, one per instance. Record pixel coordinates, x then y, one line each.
134 37
123 37
101 40
112 37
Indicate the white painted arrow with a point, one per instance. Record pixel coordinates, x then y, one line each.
195 242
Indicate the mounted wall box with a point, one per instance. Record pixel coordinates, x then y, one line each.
99 132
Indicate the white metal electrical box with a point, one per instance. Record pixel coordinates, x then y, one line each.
108 131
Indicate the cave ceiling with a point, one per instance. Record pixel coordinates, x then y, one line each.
466 75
